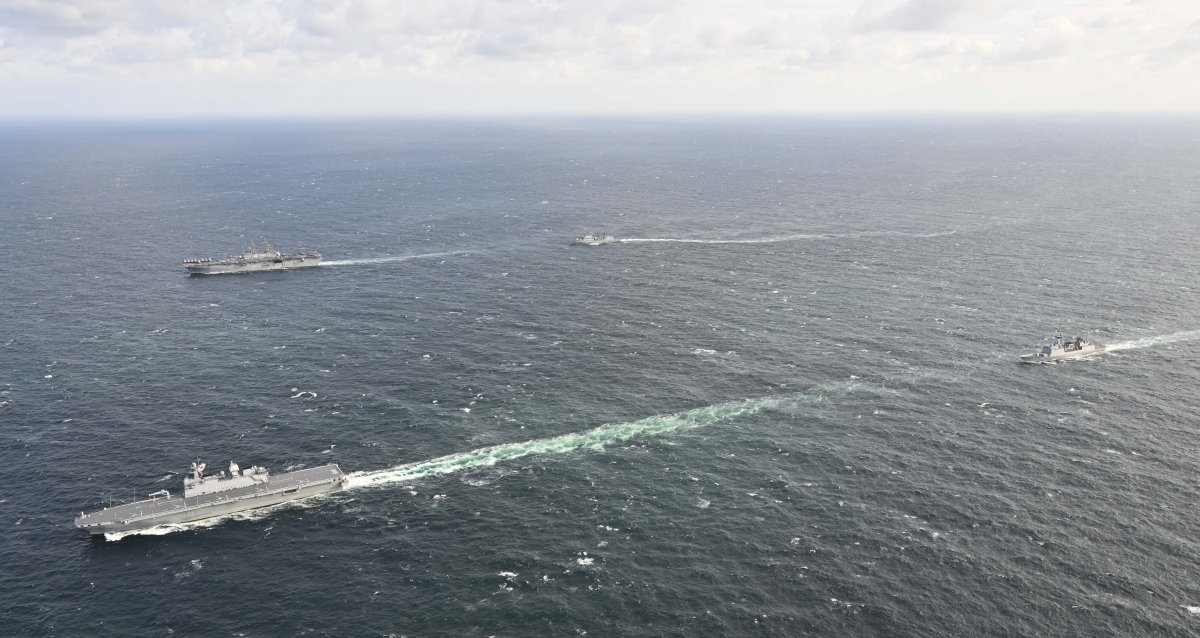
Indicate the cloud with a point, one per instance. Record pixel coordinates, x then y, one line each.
1181 49
1053 37
63 20
664 53
57 18
910 15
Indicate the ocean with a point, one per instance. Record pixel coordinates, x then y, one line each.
786 403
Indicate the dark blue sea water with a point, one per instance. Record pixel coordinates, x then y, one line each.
787 404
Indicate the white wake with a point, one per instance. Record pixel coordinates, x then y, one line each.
793 237
387 260
596 439
1150 342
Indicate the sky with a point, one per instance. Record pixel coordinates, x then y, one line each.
336 58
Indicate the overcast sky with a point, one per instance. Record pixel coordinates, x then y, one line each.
218 58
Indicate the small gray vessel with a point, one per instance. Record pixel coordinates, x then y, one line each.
252 260
595 239
1070 348
214 495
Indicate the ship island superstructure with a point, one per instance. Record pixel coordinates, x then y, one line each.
206 497
1069 348
595 239
253 260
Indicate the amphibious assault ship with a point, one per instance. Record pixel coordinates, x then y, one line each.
595 239
252 261
215 495
1069 348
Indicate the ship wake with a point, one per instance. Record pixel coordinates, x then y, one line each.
789 238
388 260
599 438
1150 342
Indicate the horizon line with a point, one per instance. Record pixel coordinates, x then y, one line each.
595 116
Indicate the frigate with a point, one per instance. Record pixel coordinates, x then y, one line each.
215 495
1069 348
595 239
252 260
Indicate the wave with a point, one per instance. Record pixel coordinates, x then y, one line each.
598 438
1149 342
386 260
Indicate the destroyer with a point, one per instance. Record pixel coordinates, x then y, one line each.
1070 348
252 261
215 495
595 239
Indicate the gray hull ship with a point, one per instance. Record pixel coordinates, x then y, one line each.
252 261
595 239
1070 348
219 494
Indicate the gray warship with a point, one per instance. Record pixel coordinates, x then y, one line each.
214 495
595 239
252 260
1069 348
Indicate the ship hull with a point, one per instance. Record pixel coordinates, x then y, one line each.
594 239
175 510
218 268
1060 356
